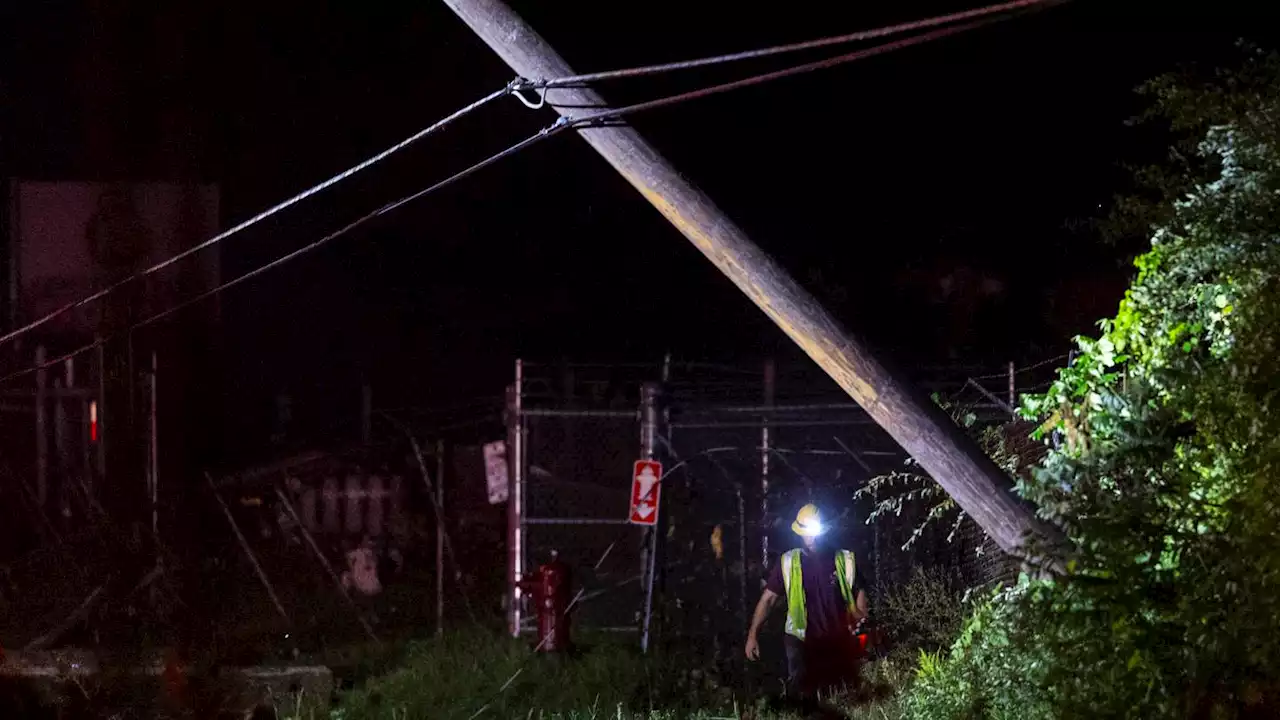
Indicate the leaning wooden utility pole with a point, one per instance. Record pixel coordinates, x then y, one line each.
919 426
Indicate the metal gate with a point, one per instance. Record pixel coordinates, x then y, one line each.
573 441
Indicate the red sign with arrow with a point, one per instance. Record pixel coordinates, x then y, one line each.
646 489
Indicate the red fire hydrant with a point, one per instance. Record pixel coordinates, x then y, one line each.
550 586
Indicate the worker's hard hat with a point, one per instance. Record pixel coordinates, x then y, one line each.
808 522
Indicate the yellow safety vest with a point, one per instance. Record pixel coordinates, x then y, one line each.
793 584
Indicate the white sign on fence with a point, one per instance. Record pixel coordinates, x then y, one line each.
495 471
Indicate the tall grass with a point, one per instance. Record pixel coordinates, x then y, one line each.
480 674
485 674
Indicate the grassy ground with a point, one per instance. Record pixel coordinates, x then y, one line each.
477 674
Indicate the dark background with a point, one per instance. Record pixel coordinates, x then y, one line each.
981 156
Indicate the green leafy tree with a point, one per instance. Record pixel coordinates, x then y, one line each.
1167 475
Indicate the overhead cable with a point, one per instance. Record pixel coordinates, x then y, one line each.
373 160
845 39
998 11
561 125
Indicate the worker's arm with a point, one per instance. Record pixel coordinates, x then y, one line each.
767 600
860 606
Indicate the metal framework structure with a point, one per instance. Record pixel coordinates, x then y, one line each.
741 449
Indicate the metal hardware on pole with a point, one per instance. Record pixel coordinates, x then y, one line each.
920 427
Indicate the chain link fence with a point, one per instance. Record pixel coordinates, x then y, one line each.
743 449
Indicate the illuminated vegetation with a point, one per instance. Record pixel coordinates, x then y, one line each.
1166 472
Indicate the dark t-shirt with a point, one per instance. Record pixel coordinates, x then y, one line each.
825 609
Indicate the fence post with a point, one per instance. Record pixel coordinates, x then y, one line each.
154 436
366 413
101 418
61 461
742 560
439 537
1013 391
770 378
650 415
42 432
515 499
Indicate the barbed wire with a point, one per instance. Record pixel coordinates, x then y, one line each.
1021 370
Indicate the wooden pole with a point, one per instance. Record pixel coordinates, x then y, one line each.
920 427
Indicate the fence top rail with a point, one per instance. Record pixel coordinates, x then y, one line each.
269 471
772 424
574 521
572 413
770 409
54 392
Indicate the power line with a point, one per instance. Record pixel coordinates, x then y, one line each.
292 255
604 115
560 125
990 11
369 162
756 54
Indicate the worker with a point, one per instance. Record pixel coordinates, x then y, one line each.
826 604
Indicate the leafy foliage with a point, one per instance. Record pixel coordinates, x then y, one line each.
923 614
1168 479
893 493
457 675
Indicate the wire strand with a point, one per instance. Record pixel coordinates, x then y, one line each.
560 125
889 30
274 209
305 249
998 11
610 114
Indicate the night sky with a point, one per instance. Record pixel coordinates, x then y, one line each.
979 156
